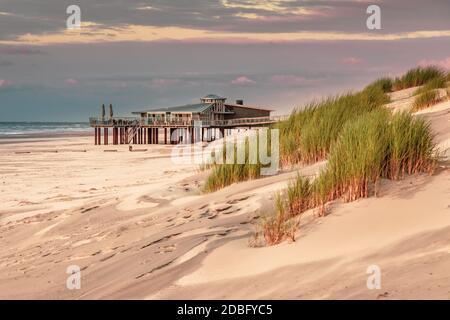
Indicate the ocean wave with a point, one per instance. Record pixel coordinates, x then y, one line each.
34 128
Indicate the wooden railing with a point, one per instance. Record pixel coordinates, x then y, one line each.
133 122
122 121
246 121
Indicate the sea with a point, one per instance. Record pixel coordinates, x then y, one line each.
30 129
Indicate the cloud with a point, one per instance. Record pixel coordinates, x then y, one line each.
444 63
71 81
242 81
351 61
43 21
4 83
95 33
281 7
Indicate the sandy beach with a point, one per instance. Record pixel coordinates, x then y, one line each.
139 227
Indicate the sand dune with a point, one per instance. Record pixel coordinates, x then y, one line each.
138 226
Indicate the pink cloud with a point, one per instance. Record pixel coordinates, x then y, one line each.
444 63
287 79
71 81
242 81
351 61
4 83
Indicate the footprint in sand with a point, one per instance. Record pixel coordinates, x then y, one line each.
238 199
166 249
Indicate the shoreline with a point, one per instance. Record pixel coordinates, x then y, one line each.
41 137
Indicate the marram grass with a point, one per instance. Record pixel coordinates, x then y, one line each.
426 99
362 141
374 146
223 174
433 84
308 134
417 77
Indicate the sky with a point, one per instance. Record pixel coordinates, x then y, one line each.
140 55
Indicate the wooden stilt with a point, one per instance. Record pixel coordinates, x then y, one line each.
165 135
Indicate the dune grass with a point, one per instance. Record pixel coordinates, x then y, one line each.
429 95
308 134
426 99
361 140
224 174
433 84
385 84
227 174
279 226
374 146
411 147
417 77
